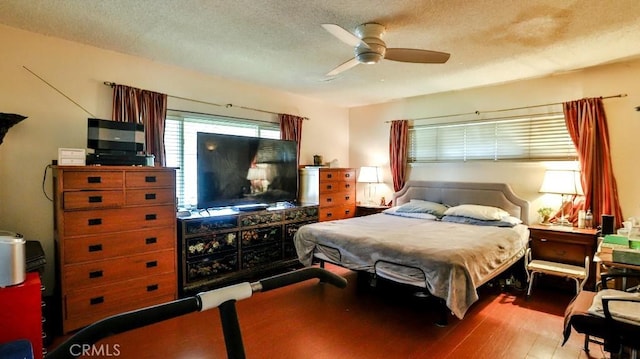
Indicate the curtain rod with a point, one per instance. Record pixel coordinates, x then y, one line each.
223 116
506 109
228 105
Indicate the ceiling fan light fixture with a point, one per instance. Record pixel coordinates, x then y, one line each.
369 57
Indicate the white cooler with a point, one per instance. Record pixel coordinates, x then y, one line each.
12 258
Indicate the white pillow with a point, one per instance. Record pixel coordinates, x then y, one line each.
394 212
477 211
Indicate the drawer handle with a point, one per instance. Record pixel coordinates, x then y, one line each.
95 221
150 217
151 240
149 196
95 248
96 300
347 175
347 185
329 175
347 211
151 288
543 239
94 179
329 199
329 214
329 186
95 274
95 199
347 197
150 179
152 264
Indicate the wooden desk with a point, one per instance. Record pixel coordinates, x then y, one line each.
604 261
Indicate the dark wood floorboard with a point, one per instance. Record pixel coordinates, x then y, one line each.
317 321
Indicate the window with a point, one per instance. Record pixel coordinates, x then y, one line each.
537 138
180 140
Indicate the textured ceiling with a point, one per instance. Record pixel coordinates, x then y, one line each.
280 43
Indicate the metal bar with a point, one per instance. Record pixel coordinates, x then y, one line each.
228 105
506 109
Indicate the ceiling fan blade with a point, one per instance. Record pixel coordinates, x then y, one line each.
344 35
417 56
343 67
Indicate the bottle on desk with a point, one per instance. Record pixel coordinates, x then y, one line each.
581 217
588 219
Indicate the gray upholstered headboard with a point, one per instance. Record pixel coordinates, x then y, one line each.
455 193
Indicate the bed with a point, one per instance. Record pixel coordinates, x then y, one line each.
447 259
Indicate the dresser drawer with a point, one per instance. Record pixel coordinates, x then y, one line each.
116 220
92 199
87 180
338 199
103 272
148 179
338 174
337 212
150 196
327 188
98 247
85 306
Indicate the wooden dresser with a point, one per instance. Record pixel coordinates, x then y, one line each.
333 189
115 231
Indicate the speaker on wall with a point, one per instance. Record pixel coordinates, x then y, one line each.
607 224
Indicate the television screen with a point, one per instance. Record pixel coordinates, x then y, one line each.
238 170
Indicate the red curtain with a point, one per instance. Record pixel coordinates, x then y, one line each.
398 138
147 108
587 125
291 129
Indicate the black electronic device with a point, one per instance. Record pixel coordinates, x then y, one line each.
608 222
251 207
239 170
115 143
105 136
116 159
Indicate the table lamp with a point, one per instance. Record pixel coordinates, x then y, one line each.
370 176
564 183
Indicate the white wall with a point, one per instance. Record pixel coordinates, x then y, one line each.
370 131
79 71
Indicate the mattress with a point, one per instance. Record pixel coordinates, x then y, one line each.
450 260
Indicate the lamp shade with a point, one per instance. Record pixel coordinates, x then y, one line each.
256 173
368 174
562 182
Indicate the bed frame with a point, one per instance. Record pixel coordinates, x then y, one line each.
455 193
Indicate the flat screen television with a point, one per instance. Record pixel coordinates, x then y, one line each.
239 170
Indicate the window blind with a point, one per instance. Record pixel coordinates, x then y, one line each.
534 138
180 140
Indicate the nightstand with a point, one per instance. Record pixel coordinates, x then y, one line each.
565 245
365 210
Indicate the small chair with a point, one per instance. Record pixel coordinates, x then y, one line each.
595 315
538 266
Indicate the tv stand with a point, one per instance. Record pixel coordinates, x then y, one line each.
222 247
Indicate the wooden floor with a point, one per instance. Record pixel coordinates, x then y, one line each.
312 320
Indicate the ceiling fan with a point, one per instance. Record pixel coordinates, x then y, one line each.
370 49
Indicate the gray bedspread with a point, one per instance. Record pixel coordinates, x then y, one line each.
455 258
